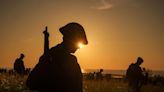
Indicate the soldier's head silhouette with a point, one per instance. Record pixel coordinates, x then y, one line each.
21 56
73 33
101 70
139 61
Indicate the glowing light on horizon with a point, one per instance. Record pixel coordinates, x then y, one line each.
80 45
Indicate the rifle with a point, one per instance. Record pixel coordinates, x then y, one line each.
46 40
35 79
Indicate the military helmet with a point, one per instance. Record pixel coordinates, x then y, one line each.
139 60
22 55
75 32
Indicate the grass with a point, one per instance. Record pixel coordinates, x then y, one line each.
16 83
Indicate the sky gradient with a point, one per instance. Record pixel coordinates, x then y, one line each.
118 31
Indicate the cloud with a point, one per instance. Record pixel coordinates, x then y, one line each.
102 5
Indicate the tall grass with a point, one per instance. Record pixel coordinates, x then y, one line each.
116 86
16 83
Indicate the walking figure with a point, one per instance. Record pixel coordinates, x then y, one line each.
58 69
135 76
19 65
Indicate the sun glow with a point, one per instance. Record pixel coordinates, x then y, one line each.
80 45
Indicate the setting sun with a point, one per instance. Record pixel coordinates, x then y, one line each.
80 45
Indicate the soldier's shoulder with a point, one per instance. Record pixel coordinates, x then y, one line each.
73 57
131 65
17 60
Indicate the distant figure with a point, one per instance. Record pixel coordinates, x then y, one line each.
3 70
146 76
27 71
19 65
90 76
99 75
58 70
135 76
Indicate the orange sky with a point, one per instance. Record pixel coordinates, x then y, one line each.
118 31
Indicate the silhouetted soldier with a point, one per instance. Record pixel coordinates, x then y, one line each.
58 70
3 70
135 76
90 76
19 65
99 75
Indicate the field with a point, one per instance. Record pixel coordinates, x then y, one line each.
16 83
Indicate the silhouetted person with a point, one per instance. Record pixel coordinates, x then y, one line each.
90 76
27 70
135 76
19 65
58 70
3 70
99 75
